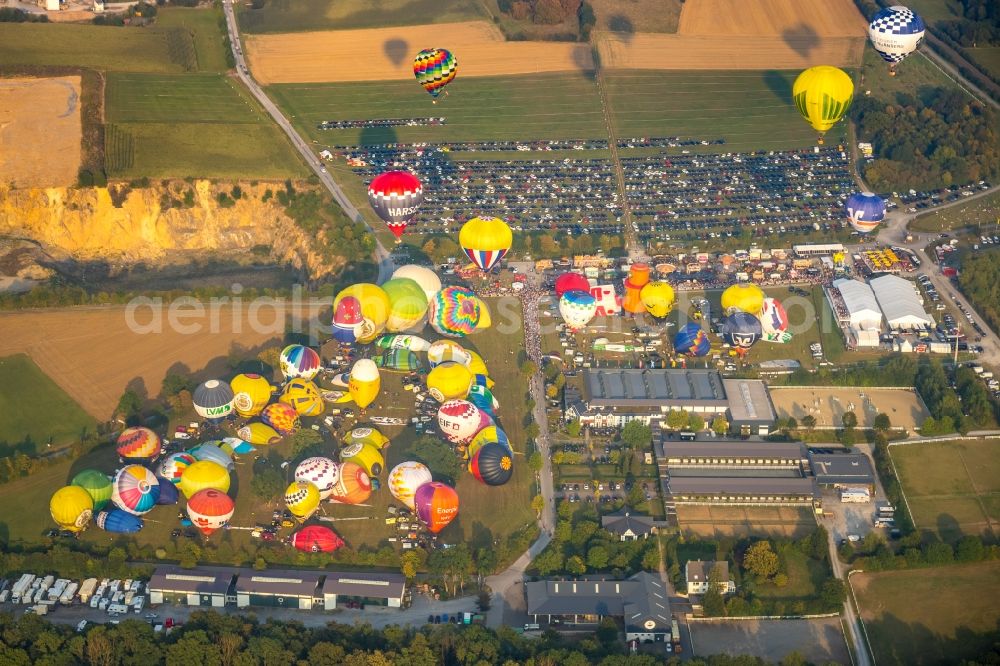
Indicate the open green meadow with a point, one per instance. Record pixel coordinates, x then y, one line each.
913 75
35 410
981 211
936 10
952 488
987 56
943 615
100 47
750 110
534 107
203 25
202 125
301 15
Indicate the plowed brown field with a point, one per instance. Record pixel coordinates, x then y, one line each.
824 18
384 54
40 131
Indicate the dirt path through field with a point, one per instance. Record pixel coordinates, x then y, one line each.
40 131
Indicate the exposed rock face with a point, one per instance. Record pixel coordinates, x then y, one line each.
125 225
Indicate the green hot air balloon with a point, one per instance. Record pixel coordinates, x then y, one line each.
97 484
407 304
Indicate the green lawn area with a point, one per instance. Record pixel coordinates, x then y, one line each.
936 10
982 211
101 47
912 75
203 25
953 488
805 578
35 409
750 110
202 125
944 615
987 56
301 15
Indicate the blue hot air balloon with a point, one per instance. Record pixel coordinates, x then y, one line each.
896 32
692 340
118 521
168 492
741 330
864 211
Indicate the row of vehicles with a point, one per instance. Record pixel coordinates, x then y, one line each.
42 593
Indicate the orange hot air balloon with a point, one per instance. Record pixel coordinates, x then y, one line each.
436 504
638 274
353 487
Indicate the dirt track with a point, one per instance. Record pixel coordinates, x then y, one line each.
40 131
386 54
828 404
93 355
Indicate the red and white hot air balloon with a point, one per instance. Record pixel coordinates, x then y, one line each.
460 420
395 197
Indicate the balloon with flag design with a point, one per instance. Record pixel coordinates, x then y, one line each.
485 240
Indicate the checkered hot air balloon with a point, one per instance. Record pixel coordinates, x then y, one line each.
460 420
321 472
434 69
896 32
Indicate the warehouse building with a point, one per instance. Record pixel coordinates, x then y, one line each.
193 587
742 491
376 589
900 304
860 309
288 589
689 458
640 601
843 470
750 411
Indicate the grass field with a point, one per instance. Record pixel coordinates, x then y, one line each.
35 410
201 125
805 578
717 522
987 56
982 211
637 15
936 10
750 110
300 15
943 615
544 106
100 47
952 488
203 25
913 75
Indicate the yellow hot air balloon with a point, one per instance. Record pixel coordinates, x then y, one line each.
485 240
204 474
449 381
743 298
822 95
252 392
374 309
259 434
477 365
366 435
364 383
304 397
485 320
658 298
369 457
71 507
302 499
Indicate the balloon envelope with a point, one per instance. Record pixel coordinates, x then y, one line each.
460 420
259 434
434 69
425 277
138 445
374 305
210 509
822 95
571 282
454 312
577 309
366 435
658 299
407 304
168 493
774 321
71 507
354 485
741 330
485 240
436 505
204 474
280 416
492 464
486 436
302 499
442 351
692 340
304 396
250 393
395 197
482 397
864 211
136 489
365 382
299 361
408 342
449 381
316 539
896 32
118 521
213 400
405 478
367 456
213 452
347 320
97 484
742 298
321 472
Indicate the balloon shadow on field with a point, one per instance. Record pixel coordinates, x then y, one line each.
621 24
802 38
396 50
779 83
381 136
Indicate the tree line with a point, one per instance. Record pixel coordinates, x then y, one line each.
980 282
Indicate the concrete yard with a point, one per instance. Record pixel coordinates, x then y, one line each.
819 641
828 404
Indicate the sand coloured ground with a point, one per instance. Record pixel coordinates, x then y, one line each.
40 131
904 407
384 54
824 18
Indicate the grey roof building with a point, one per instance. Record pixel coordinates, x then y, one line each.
628 526
742 490
741 455
842 469
696 573
294 589
750 407
668 388
194 587
384 589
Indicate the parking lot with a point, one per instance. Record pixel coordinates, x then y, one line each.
819 641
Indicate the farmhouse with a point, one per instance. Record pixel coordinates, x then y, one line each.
193 587
289 589
628 526
697 572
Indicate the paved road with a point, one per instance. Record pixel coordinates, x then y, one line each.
860 650
385 265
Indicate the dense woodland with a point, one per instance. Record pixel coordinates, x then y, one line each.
940 138
979 25
980 281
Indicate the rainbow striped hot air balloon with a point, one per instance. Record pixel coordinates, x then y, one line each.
172 467
299 361
434 69
454 312
136 489
138 445
485 240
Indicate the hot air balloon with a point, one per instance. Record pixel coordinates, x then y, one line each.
436 505
411 343
71 508
365 382
139 445
822 95
303 395
302 499
449 381
347 320
354 485
168 492
692 340
316 539
485 319
299 361
460 420
742 298
638 277
135 489
658 299
864 211
97 484
366 435
398 359
321 472
213 400
172 467
407 304
741 330
489 434
374 309
405 478
482 397
571 282
204 474
395 197
367 456
476 364
485 240
577 309
425 277
434 69
118 522
213 452
280 416
443 351
234 445
259 434
210 509
492 464
896 32
454 312
774 321
250 394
